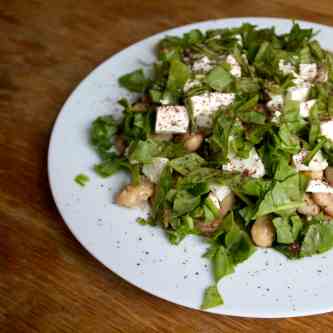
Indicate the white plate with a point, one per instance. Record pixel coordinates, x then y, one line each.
267 285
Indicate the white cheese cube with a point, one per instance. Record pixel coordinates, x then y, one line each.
318 162
214 200
154 169
299 93
235 68
319 186
220 191
286 67
171 119
305 107
189 84
204 106
326 129
308 72
251 166
203 65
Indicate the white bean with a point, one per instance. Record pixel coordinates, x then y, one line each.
325 201
135 195
192 142
309 208
329 175
263 232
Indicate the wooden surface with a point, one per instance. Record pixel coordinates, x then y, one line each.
48 282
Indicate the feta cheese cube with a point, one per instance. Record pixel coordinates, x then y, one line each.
220 191
318 162
308 72
326 129
214 200
286 67
299 93
204 106
203 65
235 68
251 166
171 119
305 107
154 169
319 186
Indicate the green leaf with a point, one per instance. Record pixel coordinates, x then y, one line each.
193 37
283 230
102 132
145 151
211 298
222 264
255 187
318 239
109 167
284 195
219 78
184 165
297 37
184 203
288 141
134 81
200 175
241 247
179 73
162 190
284 170
81 179
253 117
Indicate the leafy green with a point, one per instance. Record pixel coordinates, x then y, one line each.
284 195
222 264
102 132
162 190
178 75
297 37
145 151
81 179
219 78
185 202
184 165
211 298
134 81
318 239
255 187
287 230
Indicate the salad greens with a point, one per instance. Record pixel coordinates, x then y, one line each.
229 139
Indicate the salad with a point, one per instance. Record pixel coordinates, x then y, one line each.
231 138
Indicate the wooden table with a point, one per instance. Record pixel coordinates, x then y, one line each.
48 282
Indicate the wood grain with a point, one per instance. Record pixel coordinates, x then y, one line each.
48 282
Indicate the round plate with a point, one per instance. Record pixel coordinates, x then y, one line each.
267 285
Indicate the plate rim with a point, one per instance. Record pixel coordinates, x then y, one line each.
72 95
